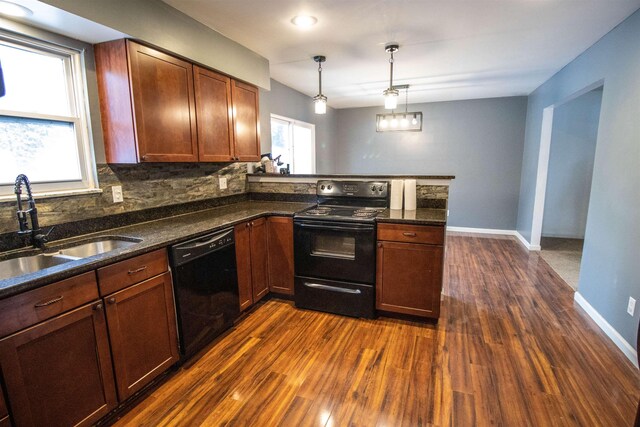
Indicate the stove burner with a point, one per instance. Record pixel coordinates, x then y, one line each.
318 211
364 214
365 211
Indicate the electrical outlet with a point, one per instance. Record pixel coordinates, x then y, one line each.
116 190
223 183
631 307
447 212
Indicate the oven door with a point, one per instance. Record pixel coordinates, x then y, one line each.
335 250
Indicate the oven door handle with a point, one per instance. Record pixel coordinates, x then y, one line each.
332 288
356 228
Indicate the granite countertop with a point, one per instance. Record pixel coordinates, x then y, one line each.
421 216
350 176
168 231
154 234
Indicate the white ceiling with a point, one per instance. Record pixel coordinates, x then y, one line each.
449 49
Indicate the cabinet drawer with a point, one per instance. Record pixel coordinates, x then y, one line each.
430 234
29 308
126 273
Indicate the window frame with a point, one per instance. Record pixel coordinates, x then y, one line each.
291 123
75 72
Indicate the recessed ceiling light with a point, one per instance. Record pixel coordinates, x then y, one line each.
12 9
304 21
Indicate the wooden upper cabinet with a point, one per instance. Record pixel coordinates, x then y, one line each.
280 245
215 118
58 372
159 108
164 106
246 113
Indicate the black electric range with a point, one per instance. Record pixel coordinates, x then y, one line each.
335 248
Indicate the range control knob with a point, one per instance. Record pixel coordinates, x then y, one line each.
329 187
322 187
381 188
373 188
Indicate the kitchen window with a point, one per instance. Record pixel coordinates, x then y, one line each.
44 124
295 142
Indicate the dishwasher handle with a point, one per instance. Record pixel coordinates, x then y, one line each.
195 248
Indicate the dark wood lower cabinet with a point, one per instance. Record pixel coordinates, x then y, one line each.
251 261
259 260
280 245
142 328
59 372
409 278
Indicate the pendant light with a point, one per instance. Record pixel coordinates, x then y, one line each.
391 93
320 101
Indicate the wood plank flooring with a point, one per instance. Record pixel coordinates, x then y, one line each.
511 349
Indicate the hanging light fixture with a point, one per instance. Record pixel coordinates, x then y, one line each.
320 101
391 93
407 121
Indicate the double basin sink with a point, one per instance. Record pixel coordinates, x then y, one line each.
25 263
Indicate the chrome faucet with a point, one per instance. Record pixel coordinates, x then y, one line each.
38 240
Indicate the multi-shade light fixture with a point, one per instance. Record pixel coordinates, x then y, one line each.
320 101
390 122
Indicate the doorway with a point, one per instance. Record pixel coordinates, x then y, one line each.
572 131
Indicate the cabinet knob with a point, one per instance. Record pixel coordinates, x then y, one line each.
247 225
111 300
97 307
379 245
143 158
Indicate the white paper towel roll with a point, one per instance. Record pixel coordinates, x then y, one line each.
396 194
409 194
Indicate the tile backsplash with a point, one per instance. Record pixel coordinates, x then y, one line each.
146 185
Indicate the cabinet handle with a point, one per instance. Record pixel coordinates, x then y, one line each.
409 234
111 300
97 307
137 270
46 303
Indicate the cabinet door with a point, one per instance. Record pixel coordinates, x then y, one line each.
280 240
259 260
243 263
142 328
59 373
409 278
246 125
164 106
214 115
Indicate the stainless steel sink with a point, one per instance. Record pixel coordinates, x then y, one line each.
29 264
85 250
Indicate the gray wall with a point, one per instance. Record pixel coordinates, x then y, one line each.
478 141
610 270
573 148
287 102
158 23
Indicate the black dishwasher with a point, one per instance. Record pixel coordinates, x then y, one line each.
206 288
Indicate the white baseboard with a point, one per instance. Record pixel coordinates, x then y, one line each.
617 339
525 243
515 233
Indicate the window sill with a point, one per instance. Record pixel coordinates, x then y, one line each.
54 194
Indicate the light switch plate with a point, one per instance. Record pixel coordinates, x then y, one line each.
223 183
116 190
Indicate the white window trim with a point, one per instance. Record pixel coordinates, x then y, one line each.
300 123
77 86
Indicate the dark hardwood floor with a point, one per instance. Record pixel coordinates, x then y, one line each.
511 349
